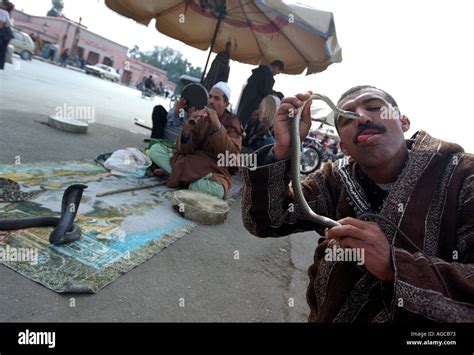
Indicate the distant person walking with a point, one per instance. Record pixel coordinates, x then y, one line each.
39 44
259 85
162 89
51 54
6 33
220 68
64 57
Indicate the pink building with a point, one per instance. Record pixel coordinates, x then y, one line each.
91 46
134 66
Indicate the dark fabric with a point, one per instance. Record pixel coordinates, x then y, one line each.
3 52
6 33
149 84
432 201
219 71
259 85
51 54
375 194
257 136
159 119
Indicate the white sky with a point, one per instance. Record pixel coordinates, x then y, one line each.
419 51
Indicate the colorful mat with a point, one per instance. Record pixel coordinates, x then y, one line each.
120 231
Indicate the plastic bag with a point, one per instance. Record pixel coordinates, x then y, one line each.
128 162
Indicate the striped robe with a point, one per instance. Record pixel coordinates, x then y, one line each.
432 201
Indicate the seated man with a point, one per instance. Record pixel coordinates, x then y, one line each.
258 133
149 84
206 134
167 125
421 271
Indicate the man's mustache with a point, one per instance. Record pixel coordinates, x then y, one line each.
368 125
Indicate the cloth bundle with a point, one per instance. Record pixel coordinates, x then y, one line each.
128 162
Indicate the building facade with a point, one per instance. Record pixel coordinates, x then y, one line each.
92 47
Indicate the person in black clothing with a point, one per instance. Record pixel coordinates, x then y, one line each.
159 119
6 33
149 84
64 57
51 53
220 68
259 85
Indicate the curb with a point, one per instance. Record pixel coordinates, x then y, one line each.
76 69
41 59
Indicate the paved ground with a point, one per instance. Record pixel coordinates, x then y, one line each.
34 86
266 284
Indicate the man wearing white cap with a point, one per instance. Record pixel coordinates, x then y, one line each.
208 132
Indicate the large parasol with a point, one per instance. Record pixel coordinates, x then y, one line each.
260 30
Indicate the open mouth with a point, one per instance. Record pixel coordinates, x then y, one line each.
368 135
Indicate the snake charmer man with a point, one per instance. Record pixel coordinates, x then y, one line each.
423 186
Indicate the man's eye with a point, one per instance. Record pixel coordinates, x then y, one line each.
343 121
374 108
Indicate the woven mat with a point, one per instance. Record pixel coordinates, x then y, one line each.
120 231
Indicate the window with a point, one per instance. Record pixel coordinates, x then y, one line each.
17 35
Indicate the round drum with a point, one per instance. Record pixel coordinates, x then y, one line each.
200 207
196 95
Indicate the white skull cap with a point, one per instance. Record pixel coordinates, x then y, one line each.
224 87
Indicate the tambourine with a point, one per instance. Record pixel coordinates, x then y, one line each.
267 109
195 95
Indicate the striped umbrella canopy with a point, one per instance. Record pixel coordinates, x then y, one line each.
260 30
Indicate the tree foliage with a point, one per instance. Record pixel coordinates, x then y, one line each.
134 52
168 59
57 9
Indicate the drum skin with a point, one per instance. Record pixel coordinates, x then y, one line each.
200 207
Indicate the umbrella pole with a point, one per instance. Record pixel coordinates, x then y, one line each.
219 19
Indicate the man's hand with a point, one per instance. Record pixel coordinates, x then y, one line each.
354 233
179 107
283 118
212 114
196 116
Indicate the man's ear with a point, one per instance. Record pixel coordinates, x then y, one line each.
405 121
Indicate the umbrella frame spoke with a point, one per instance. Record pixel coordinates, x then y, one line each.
284 35
253 33
265 21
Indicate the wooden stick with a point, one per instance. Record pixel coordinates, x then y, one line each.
141 124
111 192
